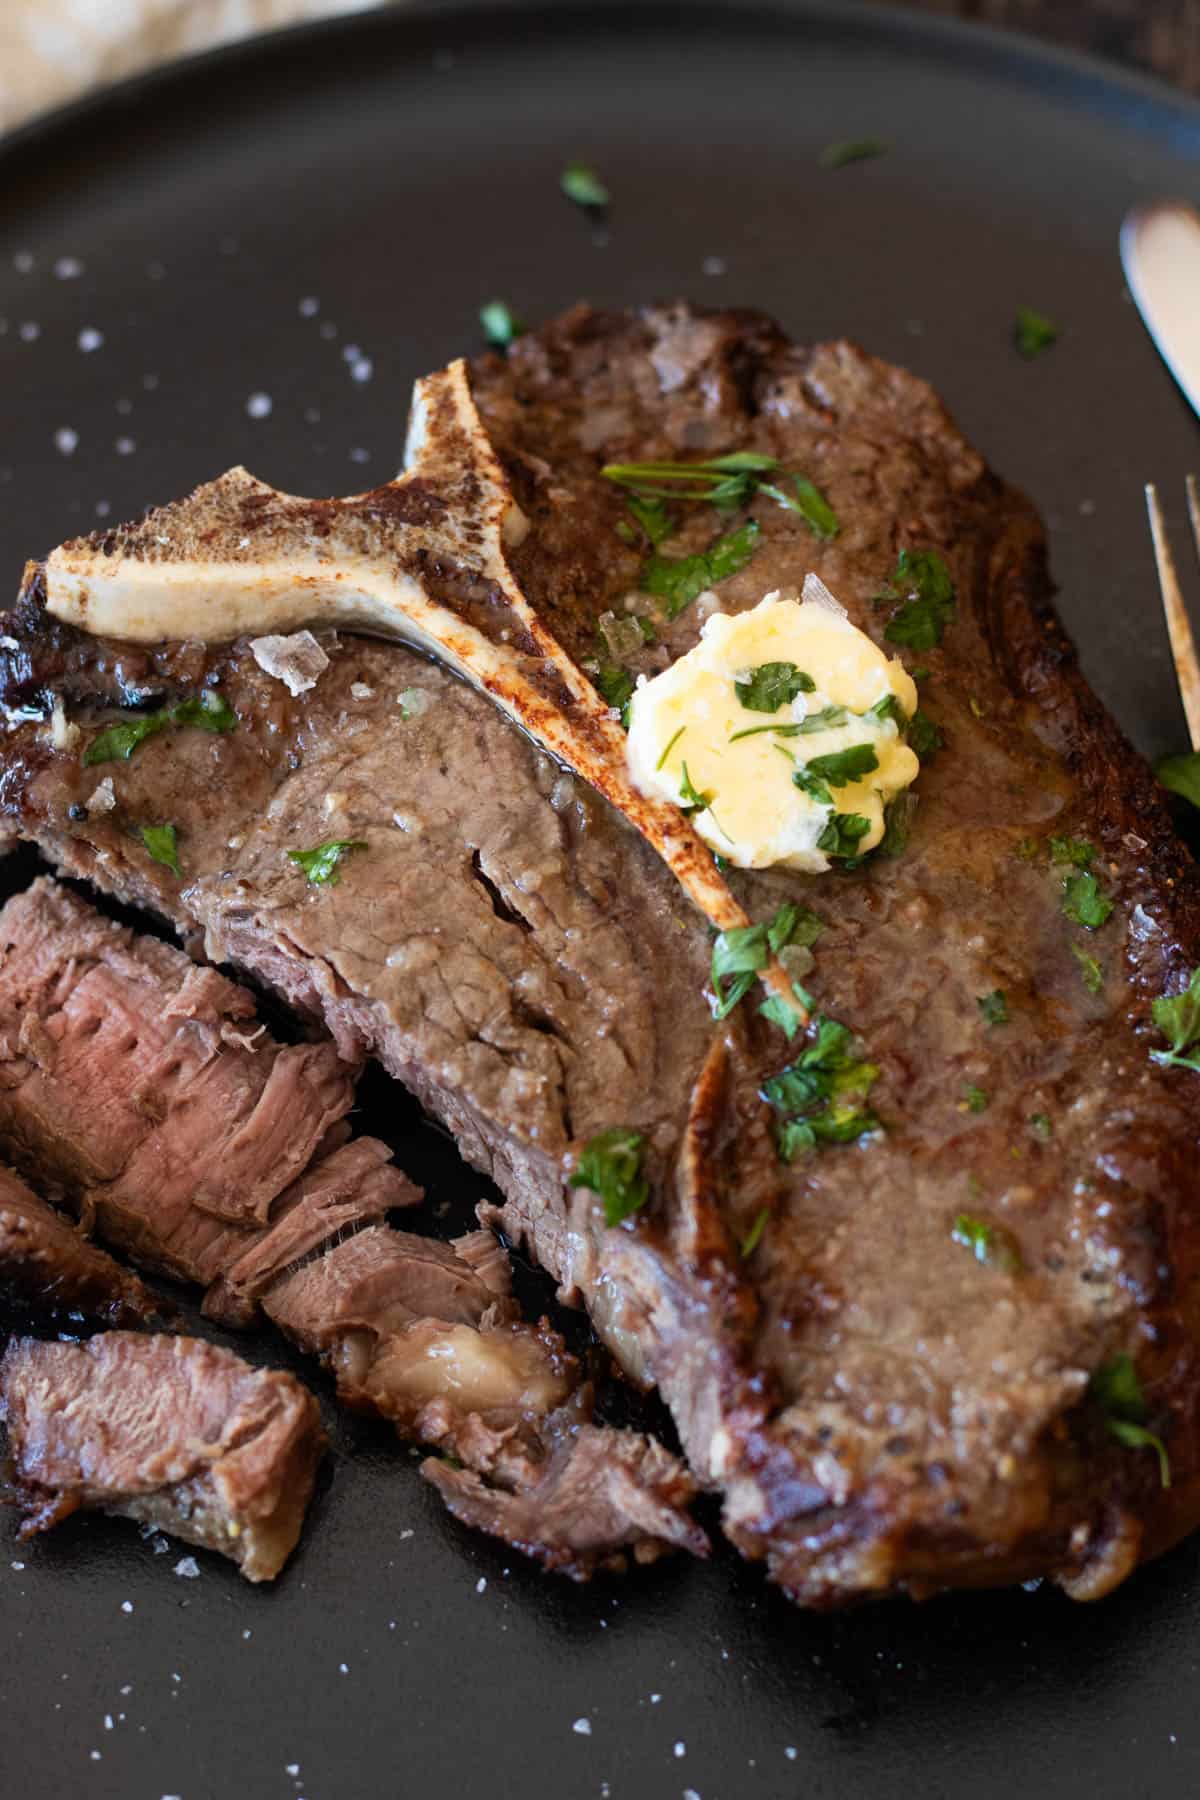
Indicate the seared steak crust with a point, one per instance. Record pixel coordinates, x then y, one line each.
881 1411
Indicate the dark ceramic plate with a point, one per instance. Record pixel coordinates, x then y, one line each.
316 220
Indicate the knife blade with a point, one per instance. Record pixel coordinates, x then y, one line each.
1160 253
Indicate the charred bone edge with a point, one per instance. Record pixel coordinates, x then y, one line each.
256 560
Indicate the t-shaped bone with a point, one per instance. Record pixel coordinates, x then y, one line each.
421 559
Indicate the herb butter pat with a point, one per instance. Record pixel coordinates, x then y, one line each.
796 784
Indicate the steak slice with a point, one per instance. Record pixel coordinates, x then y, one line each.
170 1431
422 1333
881 1410
47 1262
145 1090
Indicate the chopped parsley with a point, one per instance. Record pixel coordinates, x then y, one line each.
1076 851
740 954
611 1165
811 784
852 150
583 185
320 865
722 481
616 686
689 799
1042 1126
1116 1390
653 518
922 583
791 730
661 763
1090 971
889 708
898 816
1181 774
825 720
1084 902
751 1240
994 1007
810 503
678 579
772 685
1177 1016
843 833
1033 332
208 711
819 1099
993 1245
160 844
923 736
841 767
729 482
500 324
976 1100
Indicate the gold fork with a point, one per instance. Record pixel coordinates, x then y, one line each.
1183 644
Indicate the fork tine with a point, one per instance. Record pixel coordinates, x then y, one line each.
1193 494
1183 644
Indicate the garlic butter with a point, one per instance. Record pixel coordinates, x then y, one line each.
795 783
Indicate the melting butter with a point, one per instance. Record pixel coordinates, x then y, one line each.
684 725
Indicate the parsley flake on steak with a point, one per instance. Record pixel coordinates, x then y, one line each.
160 844
1178 1018
922 584
208 711
1115 1388
990 1244
321 864
678 579
610 1164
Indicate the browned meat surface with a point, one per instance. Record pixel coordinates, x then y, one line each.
170 1431
425 1336
585 1503
46 1261
421 1332
881 1410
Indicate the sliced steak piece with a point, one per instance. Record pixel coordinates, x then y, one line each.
147 1092
351 1186
170 1431
881 1410
416 1331
413 1332
47 1262
597 1495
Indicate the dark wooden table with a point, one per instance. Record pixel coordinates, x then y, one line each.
1162 35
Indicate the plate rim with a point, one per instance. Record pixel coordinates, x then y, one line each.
1012 52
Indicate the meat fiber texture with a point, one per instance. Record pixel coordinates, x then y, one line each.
170 1431
880 1410
46 1262
128 1073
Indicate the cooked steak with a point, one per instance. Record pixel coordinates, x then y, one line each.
170 1431
907 1381
421 1332
47 1262
145 1090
